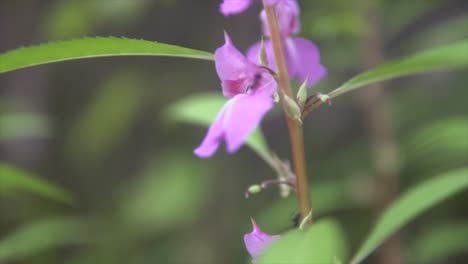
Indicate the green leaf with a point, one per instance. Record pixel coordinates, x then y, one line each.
438 242
447 57
439 142
92 48
40 236
20 125
201 109
170 194
114 108
12 179
410 205
323 242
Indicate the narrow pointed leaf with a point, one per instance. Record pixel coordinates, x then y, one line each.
440 241
43 235
447 57
410 205
92 48
13 179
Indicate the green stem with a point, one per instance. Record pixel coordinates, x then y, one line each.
295 129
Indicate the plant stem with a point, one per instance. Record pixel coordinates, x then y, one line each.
295 129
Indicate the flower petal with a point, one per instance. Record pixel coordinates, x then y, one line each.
232 88
303 59
254 50
232 65
214 135
271 2
243 115
231 7
265 84
287 13
257 241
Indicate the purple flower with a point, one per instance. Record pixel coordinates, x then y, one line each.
232 7
250 90
257 241
287 13
302 56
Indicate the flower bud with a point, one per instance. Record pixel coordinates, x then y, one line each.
255 189
262 55
292 109
276 97
302 93
325 98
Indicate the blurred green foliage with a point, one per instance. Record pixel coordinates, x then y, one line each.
117 101
140 196
299 246
14 180
410 205
43 235
439 242
23 125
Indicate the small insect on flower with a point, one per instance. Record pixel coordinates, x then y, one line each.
249 89
254 84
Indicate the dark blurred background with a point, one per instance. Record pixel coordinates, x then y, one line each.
97 128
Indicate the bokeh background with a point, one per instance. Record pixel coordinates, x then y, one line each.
99 128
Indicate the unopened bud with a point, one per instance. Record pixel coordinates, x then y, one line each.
324 98
253 190
302 93
262 55
276 97
292 109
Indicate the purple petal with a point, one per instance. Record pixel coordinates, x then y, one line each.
257 241
287 13
231 7
303 59
232 88
254 50
214 135
265 84
243 115
271 2
232 65
235 121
